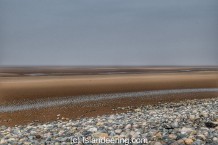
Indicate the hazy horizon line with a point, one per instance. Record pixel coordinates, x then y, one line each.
108 66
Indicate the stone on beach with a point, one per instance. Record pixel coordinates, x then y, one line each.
167 123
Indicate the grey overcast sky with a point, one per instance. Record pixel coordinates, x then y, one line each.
109 32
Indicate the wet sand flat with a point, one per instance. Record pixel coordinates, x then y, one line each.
93 108
20 89
30 88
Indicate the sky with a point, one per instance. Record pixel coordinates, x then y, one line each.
108 32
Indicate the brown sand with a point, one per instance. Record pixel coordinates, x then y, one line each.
24 88
91 109
29 88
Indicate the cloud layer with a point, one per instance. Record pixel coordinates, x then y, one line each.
109 32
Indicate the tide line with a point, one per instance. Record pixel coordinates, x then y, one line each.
38 104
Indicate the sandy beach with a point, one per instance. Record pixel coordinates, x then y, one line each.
24 90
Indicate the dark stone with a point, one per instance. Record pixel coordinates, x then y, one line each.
208 141
86 133
180 136
166 126
210 124
198 142
38 136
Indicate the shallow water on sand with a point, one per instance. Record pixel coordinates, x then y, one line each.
37 104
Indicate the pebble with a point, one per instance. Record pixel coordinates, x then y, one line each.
157 143
118 131
210 124
172 136
188 141
175 124
138 110
93 129
158 135
128 126
186 130
201 137
100 135
197 142
215 139
192 117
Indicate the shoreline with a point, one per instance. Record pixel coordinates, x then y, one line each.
74 100
183 122
94 108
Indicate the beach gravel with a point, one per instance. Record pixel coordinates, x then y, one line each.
187 122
